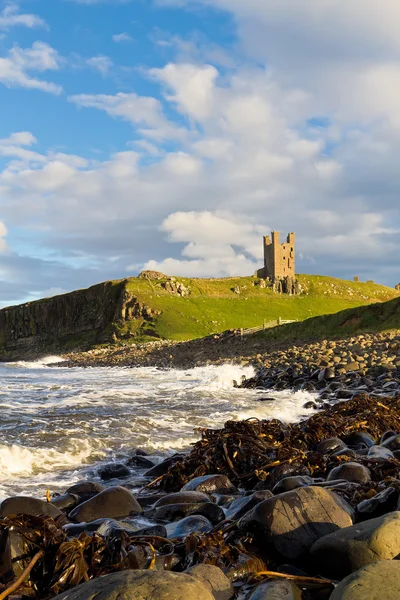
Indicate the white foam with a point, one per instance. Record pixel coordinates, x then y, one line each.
36 364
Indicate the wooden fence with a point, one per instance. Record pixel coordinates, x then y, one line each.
266 325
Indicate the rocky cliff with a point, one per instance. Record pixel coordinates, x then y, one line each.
69 321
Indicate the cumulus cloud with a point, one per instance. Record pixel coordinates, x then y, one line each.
11 16
100 63
120 38
138 110
3 233
16 68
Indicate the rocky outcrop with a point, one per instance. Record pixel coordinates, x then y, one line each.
69 321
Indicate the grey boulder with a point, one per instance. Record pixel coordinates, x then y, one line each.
379 581
113 502
143 585
292 522
347 550
275 590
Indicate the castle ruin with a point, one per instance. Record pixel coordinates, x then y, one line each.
278 258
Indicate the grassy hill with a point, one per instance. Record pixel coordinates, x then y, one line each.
212 305
138 310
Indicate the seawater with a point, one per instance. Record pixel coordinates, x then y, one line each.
57 425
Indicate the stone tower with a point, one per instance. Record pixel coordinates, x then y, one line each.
278 258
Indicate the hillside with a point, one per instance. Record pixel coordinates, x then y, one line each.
373 318
142 309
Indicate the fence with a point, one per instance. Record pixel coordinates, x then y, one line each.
266 325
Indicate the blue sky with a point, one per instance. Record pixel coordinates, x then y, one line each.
173 134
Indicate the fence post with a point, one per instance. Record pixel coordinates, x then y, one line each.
264 325
241 332
279 321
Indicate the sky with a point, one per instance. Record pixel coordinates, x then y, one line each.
174 134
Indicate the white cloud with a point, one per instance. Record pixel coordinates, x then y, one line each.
11 17
100 63
3 233
120 38
16 67
138 110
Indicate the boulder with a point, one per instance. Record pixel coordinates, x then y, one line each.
113 502
330 446
291 483
240 506
182 498
209 484
28 506
380 504
86 489
350 471
213 577
172 512
359 437
393 443
163 466
143 585
347 550
275 590
292 522
378 581
113 471
192 524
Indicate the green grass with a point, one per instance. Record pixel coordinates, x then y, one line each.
379 317
212 306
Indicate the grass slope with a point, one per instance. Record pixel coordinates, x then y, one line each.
212 305
373 318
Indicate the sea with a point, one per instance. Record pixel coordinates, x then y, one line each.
59 425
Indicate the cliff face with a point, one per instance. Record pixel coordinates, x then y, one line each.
67 321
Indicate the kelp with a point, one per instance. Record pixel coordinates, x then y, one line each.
247 451
62 562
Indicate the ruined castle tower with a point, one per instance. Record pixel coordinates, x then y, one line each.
278 258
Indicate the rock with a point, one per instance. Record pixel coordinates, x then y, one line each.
241 506
209 484
387 435
163 467
350 471
279 473
347 550
66 501
292 522
182 498
275 590
378 581
331 445
28 506
310 404
172 512
384 502
137 460
291 483
143 585
113 502
380 452
192 524
85 489
113 471
214 577
359 437
393 443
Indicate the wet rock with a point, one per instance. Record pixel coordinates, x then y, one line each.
347 550
242 505
213 577
209 484
380 452
172 512
146 500
275 590
384 502
192 524
85 489
143 585
279 473
292 522
113 502
346 452
28 506
350 471
373 582
291 483
140 461
310 404
163 467
113 471
182 498
330 446
387 435
359 437
66 501
393 443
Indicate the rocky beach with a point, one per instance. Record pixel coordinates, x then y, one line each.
258 509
